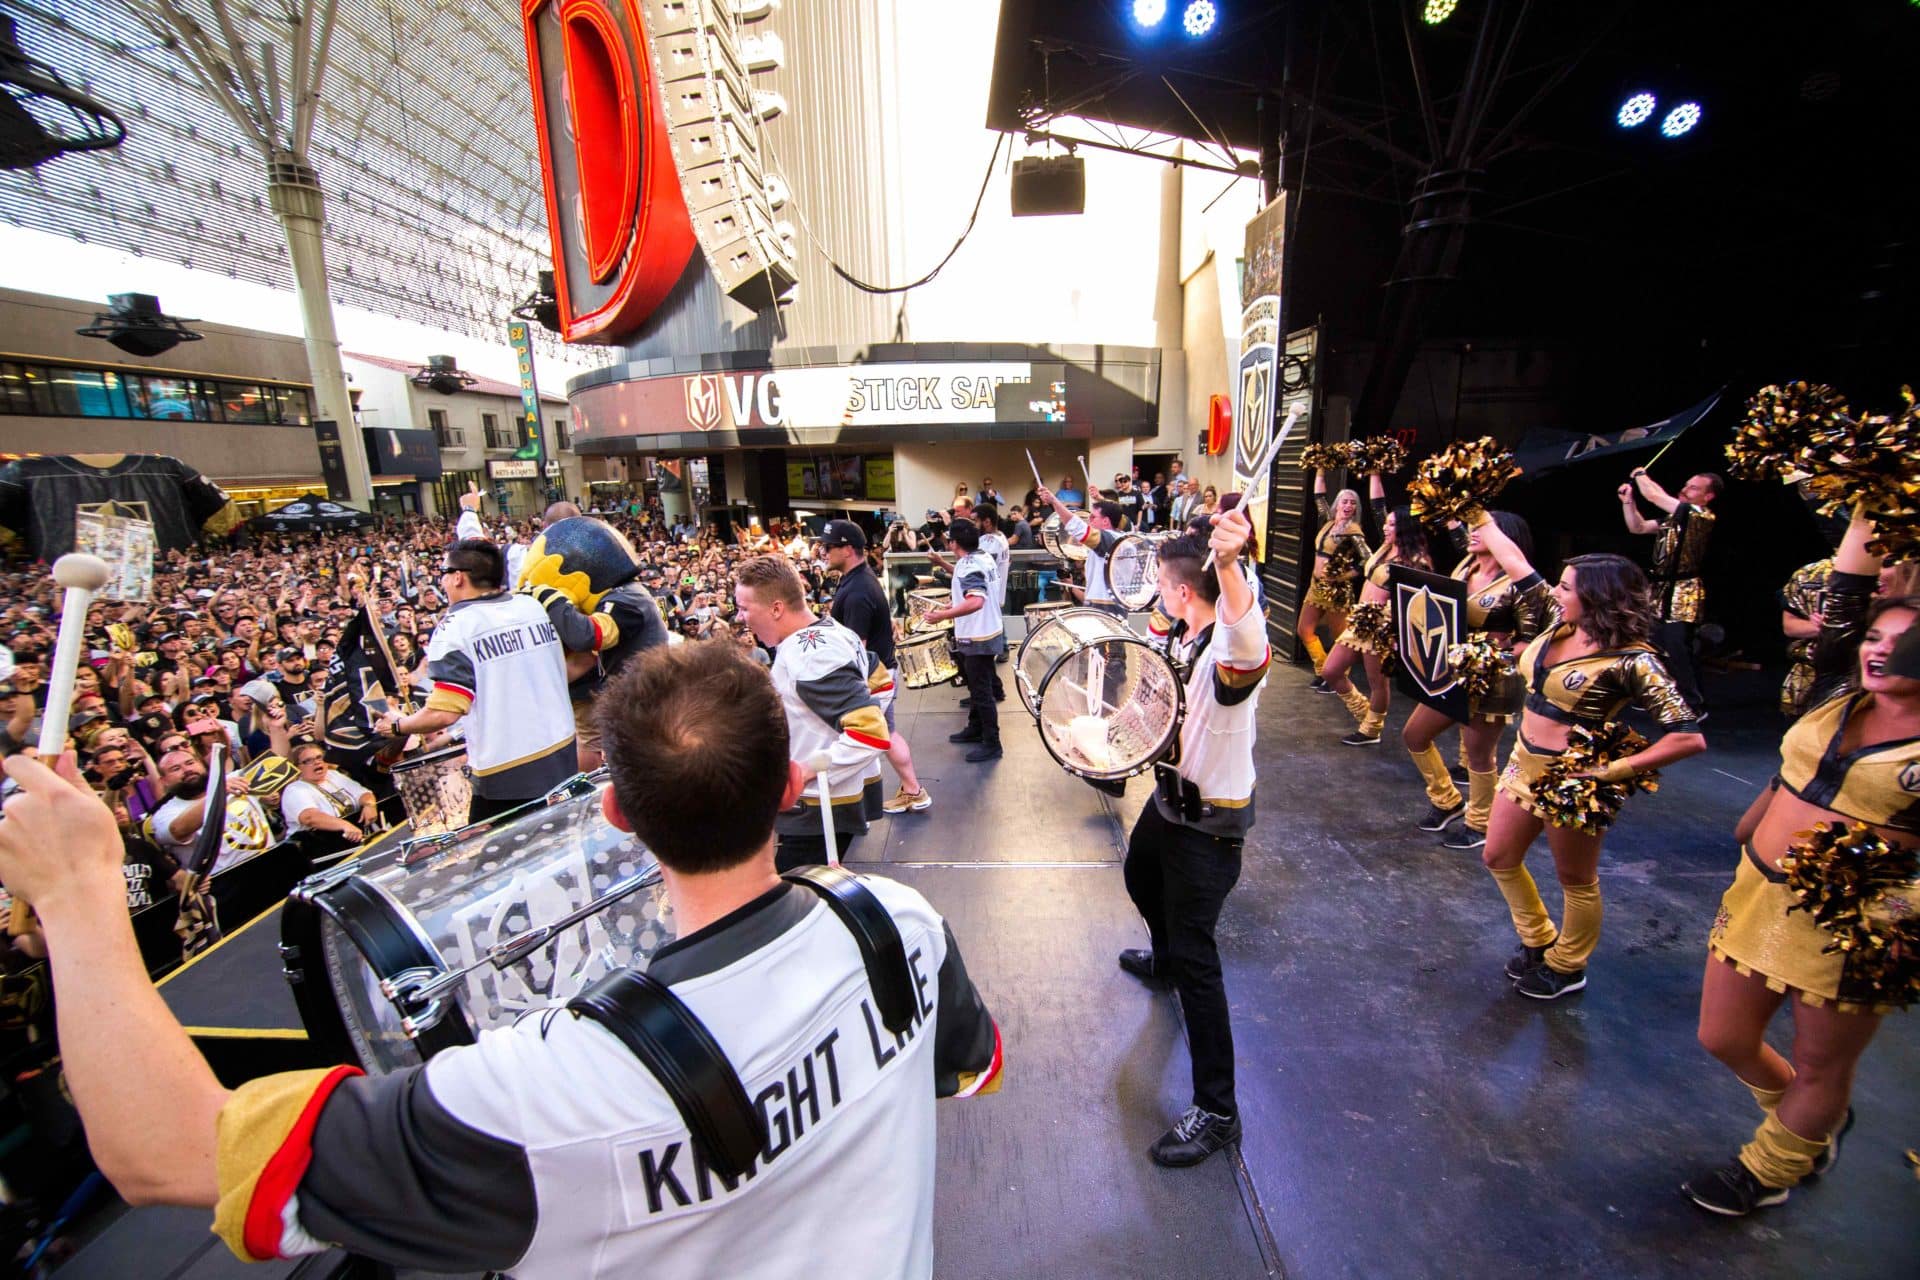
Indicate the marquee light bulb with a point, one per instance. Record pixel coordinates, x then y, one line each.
1636 110
1680 120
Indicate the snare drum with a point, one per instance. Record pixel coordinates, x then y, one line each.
1133 570
921 603
1107 703
402 953
436 789
1053 536
926 658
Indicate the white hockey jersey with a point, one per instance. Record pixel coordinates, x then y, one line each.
497 660
831 690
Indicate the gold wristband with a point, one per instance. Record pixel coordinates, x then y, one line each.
1616 771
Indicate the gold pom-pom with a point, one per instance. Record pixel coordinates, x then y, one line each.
1585 803
1778 420
1323 457
1479 664
1863 892
1380 455
1371 623
1465 475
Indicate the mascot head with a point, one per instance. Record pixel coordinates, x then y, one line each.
581 557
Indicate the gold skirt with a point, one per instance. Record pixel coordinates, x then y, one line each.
1756 934
1380 647
1331 597
1524 767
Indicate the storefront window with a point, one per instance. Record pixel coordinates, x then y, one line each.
245 402
84 393
16 391
54 390
169 399
293 406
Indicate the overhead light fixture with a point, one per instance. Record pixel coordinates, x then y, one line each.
542 306
137 326
1680 120
41 115
1199 17
1635 111
1438 11
442 374
1147 13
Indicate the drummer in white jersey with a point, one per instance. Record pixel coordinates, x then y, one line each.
1183 857
827 682
496 661
979 637
1095 531
993 544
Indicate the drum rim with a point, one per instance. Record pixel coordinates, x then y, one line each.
403 946
1173 728
409 763
1065 548
1019 666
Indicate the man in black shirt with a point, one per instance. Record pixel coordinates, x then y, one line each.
860 605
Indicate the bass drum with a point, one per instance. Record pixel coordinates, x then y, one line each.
1107 703
1053 536
431 941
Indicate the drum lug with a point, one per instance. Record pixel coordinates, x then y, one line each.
408 990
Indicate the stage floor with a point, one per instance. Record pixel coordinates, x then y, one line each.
1406 1114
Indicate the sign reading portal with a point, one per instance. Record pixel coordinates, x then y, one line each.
822 397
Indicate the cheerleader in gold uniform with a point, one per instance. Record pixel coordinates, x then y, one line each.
1369 633
1590 665
1854 758
1339 554
1507 601
1800 623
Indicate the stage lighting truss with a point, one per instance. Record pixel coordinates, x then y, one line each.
1636 111
1438 11
1199 18
1147 13
442 374
1680 120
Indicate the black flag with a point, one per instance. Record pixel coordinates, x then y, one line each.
1429 616
359 686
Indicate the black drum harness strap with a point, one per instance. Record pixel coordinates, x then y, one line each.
644 1014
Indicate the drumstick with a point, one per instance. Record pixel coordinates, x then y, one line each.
1092 493
1252 492
820 762
81 575
1038 483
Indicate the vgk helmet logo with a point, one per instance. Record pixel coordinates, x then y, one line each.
650 146
1574 679
703 401
1428 625
1910 778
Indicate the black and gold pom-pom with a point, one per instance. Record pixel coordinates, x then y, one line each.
1584 803
1381 455
1806 433
1866 894
1479 664
1463 476
1371 623
1323 457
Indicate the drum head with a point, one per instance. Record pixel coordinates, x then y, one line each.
365 928
1059 633
1053 536
1110 709
1134 570
926 658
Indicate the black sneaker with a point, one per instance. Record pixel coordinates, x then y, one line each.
1138 961
1319 685
1197 1135
985 751
1460 775
1525 959
1438 819
1359 739
1831 1156
1731 1191
1544 982
1464 837
965 735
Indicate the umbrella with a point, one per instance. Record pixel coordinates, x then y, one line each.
311 514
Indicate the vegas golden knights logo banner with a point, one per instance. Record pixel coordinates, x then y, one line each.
1429 616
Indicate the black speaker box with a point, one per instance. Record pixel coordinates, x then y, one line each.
1045 185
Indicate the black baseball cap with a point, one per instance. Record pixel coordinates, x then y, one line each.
291 652
844 533
169 635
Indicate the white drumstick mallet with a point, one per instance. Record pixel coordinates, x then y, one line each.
1093 494
81 575
1038 483
1259 482
820 762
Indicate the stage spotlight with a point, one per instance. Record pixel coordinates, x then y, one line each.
1199 18
1636 110
1438 11
1680 120
1147 13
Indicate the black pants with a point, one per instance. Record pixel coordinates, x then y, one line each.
1179 878
486 807
1676 642
983 713
804 850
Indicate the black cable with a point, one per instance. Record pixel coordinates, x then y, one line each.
978 200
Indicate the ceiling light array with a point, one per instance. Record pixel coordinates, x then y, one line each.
1639 108
1198 18
1437 11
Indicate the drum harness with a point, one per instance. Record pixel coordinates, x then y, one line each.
1181 795
643 1013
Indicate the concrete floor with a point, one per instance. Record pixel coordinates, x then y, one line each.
1406 1114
